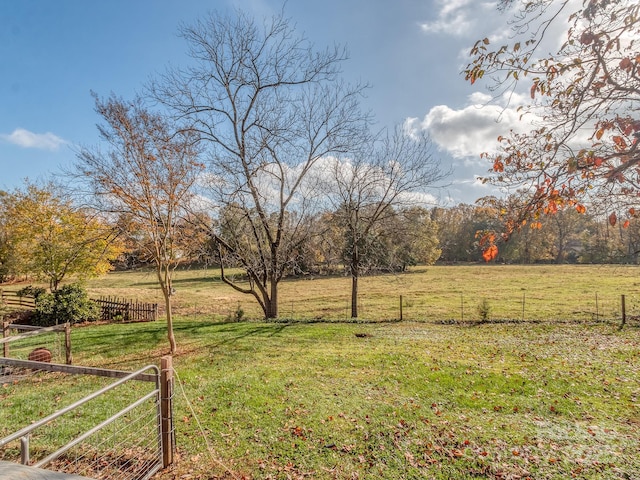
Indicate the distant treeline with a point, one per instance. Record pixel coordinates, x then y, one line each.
449 235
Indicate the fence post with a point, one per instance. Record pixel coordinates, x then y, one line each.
24 450
400 307
624 311
67 343
5 334
166 410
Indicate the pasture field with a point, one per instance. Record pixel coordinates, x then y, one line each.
435 293
543 398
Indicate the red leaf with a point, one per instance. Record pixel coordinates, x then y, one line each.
586 38
619 141
625 64
613 219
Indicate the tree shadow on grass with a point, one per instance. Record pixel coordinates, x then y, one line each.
124 345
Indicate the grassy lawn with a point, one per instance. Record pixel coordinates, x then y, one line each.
376 400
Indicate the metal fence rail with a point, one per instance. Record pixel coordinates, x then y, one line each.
131 444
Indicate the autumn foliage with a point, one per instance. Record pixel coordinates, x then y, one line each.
487 242
581 148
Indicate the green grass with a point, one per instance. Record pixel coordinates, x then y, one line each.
406 400
412 399
437 293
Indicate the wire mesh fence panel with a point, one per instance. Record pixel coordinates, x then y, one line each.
126 449
111 433
47 347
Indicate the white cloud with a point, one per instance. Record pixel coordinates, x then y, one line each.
456 17
472 130
26 139
462 133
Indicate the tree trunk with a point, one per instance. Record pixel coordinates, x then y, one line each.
272 302
164 277
354 296
355 273
170 335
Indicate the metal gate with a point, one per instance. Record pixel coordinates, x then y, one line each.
131 443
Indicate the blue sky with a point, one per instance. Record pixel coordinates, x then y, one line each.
411 52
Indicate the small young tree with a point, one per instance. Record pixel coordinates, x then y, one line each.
387 174
146 177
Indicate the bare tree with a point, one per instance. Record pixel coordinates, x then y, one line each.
390 173
267 107
146 177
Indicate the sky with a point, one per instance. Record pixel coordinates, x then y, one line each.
53 54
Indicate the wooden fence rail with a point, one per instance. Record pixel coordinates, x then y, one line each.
12 299
114 309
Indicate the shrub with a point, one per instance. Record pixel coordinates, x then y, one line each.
236 316
31 291
484 309
70 303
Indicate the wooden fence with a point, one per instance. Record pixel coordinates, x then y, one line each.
121 310
112 309
12 299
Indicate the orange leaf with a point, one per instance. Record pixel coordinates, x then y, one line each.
581 208
626 224
613 219
456 452
490 253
